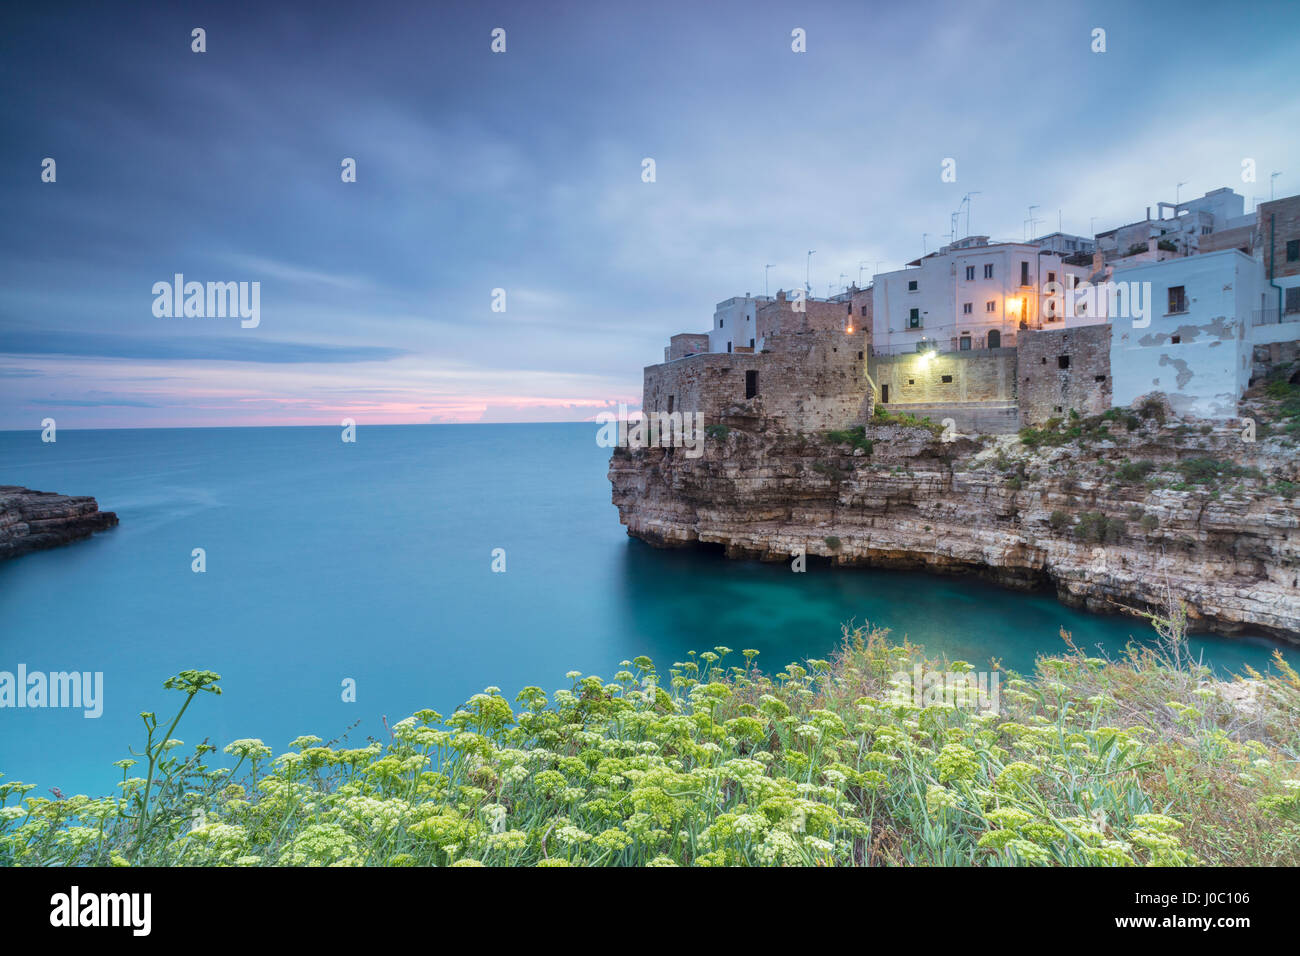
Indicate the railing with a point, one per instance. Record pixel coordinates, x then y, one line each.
950 344
1270 317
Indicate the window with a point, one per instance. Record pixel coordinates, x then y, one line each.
914 319
721 322
1293 299
864 310
1024 273
1177 298
995 339
991 306
728 346
966 308
859 356
884 394
947 379
1099 378
1292 250
988 270
1063 361
751 384
751 343
1175 339
964 343
911 381
970 273
849 309
1051 277
911 285
671 400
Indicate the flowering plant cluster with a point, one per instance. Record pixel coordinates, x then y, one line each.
1089 762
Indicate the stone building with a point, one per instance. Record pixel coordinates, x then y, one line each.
785 314
686 343
807 380
1059 370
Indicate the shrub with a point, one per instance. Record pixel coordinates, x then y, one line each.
855 436
1059 520
1150 522
1084 762
717 431
1134 471
1152 408
833 542
1095 527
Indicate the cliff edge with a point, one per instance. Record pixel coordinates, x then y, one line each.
1116 512
33 520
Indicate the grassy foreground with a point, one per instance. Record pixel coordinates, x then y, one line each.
1145 760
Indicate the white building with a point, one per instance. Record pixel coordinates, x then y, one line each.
1065 244
1196 342
971 294
1177 227
734 323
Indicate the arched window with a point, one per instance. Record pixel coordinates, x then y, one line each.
995 339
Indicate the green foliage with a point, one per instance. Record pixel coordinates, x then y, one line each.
1152 408
1088 762
833 542
1208 471
1149 522
717 431
855 436
885 417
1094 527
1134 471
1059 520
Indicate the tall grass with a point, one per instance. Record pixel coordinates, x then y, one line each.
1141 760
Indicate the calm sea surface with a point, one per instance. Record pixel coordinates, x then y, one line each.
372 561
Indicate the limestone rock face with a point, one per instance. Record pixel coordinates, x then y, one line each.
32 520
1118 521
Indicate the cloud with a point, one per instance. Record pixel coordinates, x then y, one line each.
69 403
191 348
290 273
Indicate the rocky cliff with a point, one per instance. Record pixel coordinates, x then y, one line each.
1117 512
32 520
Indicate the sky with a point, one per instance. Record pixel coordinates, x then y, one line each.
523 171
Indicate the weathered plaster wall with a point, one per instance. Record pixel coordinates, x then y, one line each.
1199 358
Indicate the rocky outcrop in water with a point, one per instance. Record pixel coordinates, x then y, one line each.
1117 513
32 520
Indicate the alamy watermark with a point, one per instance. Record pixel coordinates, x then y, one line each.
652 430
37 689
961 689
213 300
1114 300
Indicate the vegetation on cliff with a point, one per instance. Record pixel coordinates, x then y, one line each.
1144 760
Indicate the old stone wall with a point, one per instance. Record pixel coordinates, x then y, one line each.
779 316
1063 369
686 343
981 375
808 381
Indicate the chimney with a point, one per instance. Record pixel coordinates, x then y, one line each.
1148 212
780 295
1152 246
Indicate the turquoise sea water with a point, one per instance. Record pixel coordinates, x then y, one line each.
372 561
